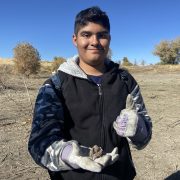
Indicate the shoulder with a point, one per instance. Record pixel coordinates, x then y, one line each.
128 78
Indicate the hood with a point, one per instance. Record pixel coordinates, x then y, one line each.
71 67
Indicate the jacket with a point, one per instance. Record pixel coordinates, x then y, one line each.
70 106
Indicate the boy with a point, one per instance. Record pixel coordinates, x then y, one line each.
87 112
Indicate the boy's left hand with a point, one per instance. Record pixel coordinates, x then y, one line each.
126 123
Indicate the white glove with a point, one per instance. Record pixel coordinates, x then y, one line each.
80 157
113 157
126 123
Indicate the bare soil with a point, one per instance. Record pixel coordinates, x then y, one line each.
159 160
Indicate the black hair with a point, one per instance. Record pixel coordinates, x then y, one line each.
93 14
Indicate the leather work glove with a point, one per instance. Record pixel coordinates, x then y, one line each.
126 123
82 157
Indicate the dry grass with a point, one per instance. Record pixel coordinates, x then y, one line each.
160 89
153 68
8 66
6 61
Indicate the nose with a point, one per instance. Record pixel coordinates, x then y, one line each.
94 40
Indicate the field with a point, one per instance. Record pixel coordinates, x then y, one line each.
160 86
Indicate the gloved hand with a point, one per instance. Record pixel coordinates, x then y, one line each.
113 157
126 123
81 157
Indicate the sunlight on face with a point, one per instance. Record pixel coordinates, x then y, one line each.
92 42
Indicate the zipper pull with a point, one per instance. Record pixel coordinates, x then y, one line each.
100 89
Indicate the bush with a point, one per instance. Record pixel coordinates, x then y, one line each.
56 63
26 59
126 62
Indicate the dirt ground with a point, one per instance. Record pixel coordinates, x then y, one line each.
159 160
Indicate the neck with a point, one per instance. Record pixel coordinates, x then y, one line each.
96 70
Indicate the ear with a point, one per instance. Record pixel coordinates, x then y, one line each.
74 39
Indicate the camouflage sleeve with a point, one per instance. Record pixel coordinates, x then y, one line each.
144 129
47 125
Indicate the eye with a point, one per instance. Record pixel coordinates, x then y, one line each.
85 34
103 35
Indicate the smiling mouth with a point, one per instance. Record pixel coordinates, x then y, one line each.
95 49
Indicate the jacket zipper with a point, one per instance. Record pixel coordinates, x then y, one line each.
101 117
100 90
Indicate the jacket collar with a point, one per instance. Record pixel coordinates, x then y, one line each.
71 67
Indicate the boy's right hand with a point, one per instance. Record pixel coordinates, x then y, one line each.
79 157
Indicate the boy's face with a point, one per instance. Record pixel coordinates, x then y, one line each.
92 42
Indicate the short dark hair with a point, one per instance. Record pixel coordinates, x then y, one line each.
93 14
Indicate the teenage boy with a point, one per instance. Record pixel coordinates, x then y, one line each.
87 112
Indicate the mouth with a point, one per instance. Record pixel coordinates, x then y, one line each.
95 50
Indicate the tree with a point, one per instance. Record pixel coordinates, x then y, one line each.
168 51
135 62
143 62
176 46
56 63
26 59
126 62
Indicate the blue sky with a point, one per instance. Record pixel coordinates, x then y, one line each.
136 26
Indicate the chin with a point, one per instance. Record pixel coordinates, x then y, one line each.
97 58
95 62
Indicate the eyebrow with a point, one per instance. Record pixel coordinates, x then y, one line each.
90 32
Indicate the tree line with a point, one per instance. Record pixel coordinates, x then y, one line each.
27 58
168 52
